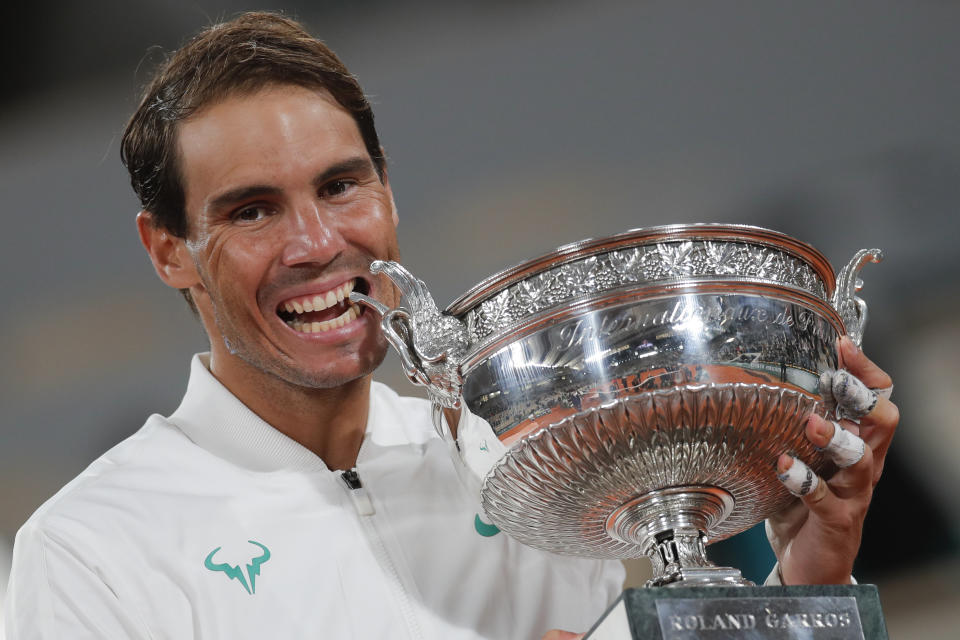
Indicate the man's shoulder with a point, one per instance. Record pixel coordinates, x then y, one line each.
119 475
400 416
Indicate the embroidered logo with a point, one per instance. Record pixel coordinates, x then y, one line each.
484 529
234 572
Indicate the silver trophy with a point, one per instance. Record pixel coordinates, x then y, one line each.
634 392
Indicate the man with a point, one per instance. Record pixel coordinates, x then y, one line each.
289 496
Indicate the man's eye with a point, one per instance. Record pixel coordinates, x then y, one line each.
251 214
335 188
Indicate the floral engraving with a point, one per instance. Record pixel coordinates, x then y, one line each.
663 262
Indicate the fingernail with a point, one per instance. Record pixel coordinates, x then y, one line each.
817 423
783 464
824 430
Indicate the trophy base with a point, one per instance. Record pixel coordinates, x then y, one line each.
809 612
669 526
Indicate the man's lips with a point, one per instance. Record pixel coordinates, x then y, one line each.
322 311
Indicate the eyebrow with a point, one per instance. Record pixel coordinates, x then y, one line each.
356 164
235 196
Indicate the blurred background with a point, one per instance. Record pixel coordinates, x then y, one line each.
512 128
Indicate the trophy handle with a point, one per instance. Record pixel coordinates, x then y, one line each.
851 307
431 344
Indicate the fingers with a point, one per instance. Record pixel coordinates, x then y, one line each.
849 452
861 366
878 428
853 397
846 396
843 447
822 544
828 500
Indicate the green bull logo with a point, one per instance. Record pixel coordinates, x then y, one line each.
234 572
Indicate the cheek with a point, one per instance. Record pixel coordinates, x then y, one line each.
372 223
229 261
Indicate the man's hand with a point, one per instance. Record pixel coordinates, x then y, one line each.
556 634
817 538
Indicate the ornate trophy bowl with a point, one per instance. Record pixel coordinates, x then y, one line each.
635 390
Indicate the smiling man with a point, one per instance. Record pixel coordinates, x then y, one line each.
285 211
289 495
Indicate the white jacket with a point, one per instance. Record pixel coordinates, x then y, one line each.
213 524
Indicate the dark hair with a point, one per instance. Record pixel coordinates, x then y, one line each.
243 55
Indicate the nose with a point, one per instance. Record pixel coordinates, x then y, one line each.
310 236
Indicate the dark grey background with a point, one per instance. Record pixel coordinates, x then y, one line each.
513 128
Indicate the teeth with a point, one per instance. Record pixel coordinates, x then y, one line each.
347 316
320 302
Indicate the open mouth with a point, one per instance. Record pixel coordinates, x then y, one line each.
325 311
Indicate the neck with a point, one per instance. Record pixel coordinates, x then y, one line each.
329 422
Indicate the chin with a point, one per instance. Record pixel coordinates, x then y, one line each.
340 375
339 367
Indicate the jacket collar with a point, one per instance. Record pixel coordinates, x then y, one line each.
216 420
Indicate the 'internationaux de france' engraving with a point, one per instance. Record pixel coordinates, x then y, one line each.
810 618
659 263
685 310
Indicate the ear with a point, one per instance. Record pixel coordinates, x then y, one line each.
169 254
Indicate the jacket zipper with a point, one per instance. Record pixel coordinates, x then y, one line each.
365 509
358 495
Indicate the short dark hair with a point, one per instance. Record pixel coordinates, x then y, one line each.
243 55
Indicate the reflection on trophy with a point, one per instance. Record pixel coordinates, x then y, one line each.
633 392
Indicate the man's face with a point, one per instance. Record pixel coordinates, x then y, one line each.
285 212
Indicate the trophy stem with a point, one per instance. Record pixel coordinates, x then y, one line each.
670 527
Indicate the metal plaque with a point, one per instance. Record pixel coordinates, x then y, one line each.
807 618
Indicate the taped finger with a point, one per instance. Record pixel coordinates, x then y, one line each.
799 479
853 398
844 448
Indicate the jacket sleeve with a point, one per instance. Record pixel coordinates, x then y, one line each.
54 593
609 580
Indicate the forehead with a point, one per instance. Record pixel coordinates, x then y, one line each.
276 133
